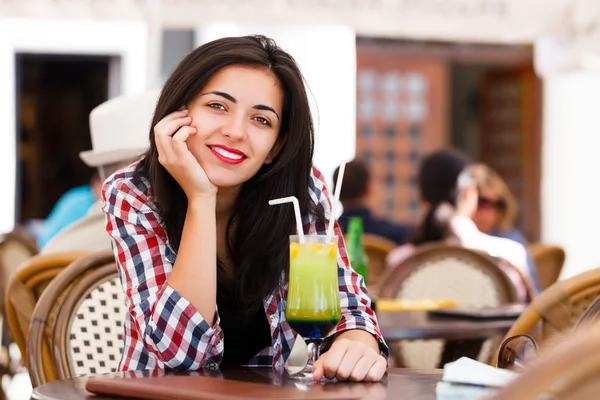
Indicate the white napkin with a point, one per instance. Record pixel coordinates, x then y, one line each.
472 372
298 356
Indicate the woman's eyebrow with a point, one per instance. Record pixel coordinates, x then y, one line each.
222 94
266 108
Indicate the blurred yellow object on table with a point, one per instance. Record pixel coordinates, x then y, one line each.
413 305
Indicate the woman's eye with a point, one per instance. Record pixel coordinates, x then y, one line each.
217 106
263 121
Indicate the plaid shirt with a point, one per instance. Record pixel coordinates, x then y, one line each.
162 328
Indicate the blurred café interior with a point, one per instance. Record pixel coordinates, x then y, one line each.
509 85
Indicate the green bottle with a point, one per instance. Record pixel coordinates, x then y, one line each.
354 246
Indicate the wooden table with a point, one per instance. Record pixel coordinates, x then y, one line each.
418 325
398 384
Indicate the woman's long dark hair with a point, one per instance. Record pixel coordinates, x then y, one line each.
258 243
439 185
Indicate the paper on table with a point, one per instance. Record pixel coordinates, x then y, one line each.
471 372
298 357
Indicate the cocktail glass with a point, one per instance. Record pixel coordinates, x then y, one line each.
313 299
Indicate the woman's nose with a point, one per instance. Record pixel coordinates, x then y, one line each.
234 129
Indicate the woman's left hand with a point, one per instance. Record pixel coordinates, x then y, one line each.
350 360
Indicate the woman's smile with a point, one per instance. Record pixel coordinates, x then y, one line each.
228 154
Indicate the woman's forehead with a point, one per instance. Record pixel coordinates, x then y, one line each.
246 83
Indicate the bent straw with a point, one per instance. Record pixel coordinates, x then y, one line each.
294 201
338 189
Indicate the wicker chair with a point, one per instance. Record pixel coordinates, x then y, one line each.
86 334
440 271
559 308
549 261
25 288
567 372
591 315
16 247
377 249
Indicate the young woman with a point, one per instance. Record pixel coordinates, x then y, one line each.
202 256
497 210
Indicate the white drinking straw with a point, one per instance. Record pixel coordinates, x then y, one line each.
336 200
294 201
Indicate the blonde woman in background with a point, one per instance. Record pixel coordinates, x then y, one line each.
450 194
497 211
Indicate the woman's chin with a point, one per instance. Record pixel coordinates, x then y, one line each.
224 178
224 182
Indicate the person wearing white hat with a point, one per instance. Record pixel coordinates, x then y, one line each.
119 131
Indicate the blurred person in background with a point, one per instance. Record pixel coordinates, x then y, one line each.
356 189
119 131
497 210
72 206
450 194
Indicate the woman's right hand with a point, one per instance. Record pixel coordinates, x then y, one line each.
170 135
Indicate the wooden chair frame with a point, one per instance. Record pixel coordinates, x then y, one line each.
555 303
569 371
19 235
393 279
547 276
65 315
43 365
22 291
591 315
377 247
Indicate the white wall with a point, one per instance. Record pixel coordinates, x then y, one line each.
571 167
327 58
127 40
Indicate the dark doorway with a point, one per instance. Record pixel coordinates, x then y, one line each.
496 118
55 94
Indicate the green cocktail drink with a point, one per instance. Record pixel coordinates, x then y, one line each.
313 299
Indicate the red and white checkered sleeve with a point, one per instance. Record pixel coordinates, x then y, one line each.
355 301
170 328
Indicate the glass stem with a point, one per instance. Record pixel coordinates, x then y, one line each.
314 351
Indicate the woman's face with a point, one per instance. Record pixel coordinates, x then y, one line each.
237 116
489 210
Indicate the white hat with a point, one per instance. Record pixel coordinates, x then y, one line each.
119 129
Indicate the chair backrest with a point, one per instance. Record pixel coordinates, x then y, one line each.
549 261
86 333
16 247
559 308
567 372
377 249
446 272
591 315
449 272
25 288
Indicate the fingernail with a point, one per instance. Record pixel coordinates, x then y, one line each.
185 110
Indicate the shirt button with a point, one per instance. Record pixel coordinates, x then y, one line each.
212 366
